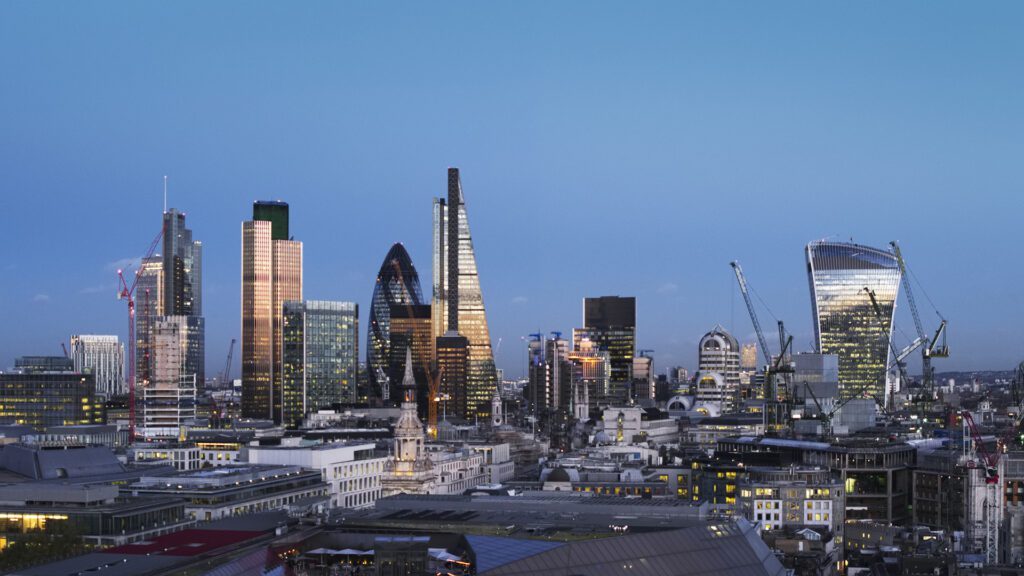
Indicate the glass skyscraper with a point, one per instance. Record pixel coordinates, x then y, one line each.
271 275
320 356
182 262
845 322
458 303
398 285
610 324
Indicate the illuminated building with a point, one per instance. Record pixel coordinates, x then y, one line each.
149 305
591 369
48 394
320 357
411 328
550 373
103 357
609 322
458 303
748 357
183 285
271 275
719 353
410 470
845 322
397 286
31 510
169 397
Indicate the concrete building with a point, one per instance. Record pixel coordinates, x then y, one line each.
234 490
636 425
876 475
103 357
719 353
168 399
351 470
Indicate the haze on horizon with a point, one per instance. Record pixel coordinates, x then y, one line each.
604 149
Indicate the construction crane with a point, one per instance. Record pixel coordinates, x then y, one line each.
127 293
65 349
897 355
226 374
978 455
762 342
934 347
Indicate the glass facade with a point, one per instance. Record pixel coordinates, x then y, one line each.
610 324
149 305
457 283
49 399
845 322
103 357
411 329
183 285
320 356
271 275
398 285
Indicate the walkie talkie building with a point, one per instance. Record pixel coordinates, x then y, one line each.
845 322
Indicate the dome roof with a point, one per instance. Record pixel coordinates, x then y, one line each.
719 339
559 475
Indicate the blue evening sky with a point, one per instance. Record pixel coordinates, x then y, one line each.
624 148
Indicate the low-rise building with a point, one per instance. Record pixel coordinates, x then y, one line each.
234 490
352 470
94 511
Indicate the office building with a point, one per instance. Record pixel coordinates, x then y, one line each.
591 375
411 328
320 351
48 392
458 303
453 372
169 398
610 323
96 512
643 378
397 286
549 375
149 305
719 353
103 357
842 278
234 490
351 470
748 357
271 275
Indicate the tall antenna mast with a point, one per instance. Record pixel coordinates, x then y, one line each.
165 194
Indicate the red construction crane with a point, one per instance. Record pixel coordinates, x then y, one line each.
127 292
988 460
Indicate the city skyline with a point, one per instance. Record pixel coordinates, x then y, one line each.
674 147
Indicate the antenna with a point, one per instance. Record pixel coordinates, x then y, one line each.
165 194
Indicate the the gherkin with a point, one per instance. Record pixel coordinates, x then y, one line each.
397 284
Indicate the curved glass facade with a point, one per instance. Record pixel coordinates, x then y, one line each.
845 322
397 284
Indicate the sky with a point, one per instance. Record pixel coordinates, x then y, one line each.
629 148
